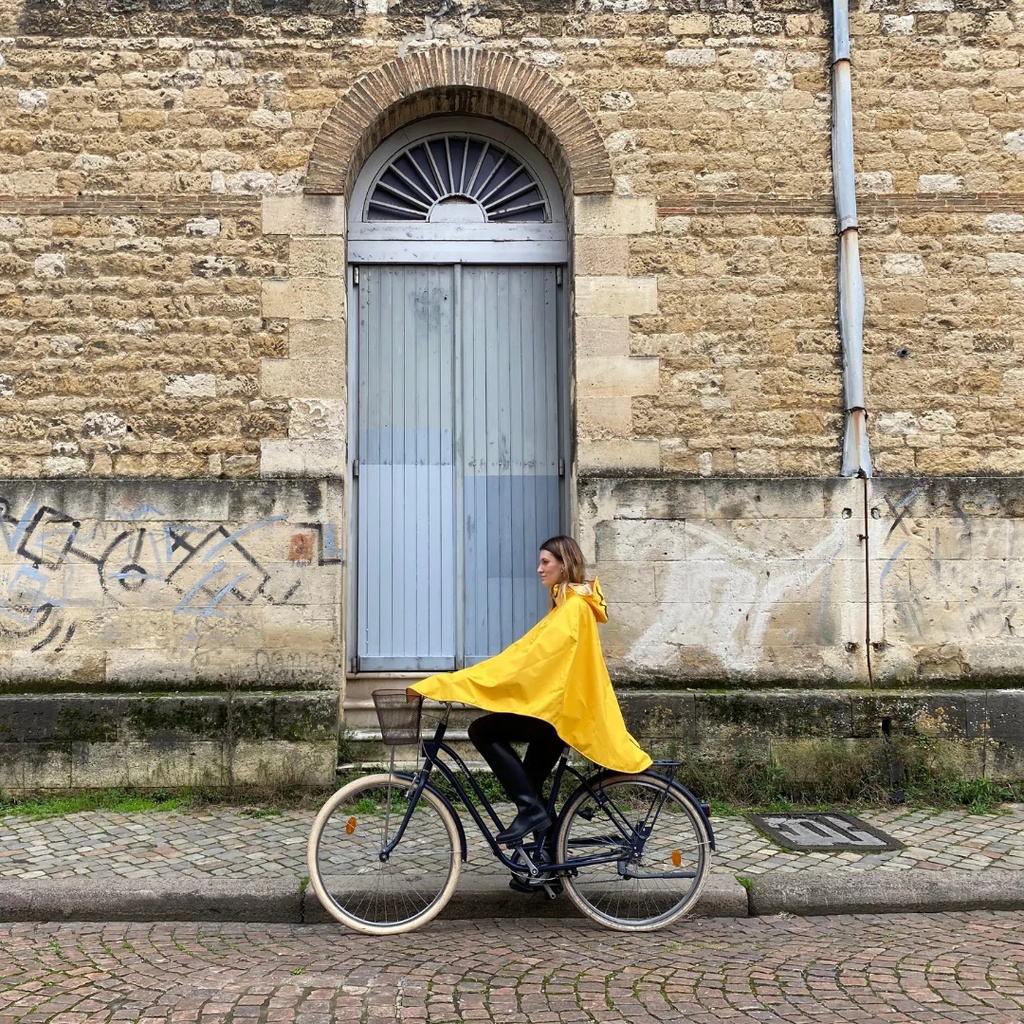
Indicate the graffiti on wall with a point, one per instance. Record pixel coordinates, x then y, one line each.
730 593
53 567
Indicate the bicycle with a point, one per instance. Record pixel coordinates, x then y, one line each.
384 854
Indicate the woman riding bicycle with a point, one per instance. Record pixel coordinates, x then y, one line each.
548 689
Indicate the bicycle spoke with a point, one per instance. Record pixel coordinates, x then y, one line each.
642 852
363 885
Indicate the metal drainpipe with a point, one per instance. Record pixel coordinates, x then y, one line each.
856 456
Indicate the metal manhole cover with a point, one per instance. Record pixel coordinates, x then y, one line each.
823 832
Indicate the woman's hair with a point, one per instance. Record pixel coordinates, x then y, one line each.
568 552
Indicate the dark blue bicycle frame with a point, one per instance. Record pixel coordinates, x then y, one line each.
633 838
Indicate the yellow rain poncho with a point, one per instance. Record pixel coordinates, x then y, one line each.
556 672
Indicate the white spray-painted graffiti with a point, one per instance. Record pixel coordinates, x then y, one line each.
54 562
733 591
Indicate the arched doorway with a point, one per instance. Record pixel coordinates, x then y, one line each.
457 328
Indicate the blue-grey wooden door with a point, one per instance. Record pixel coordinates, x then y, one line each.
458 459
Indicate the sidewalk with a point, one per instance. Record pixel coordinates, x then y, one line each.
226 864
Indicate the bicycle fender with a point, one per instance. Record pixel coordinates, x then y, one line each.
449 806
608 773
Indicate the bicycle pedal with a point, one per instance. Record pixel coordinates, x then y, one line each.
551 887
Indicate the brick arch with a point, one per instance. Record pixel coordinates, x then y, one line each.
458 81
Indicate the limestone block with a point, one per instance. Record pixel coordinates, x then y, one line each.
898 24
195 385
616 296
317 418
1005 262
290 628
302 458
297 215
63 465
1005 223
317 339
601 255
305 298
30 767
614 215
32 99
617 99
250 183
878 182
603 415
144 764
676 226
289 763
619 454
49 265
322 256
940 183
792 499
1013 142
303 378
601 336
614 376
903 264
690 57
202 227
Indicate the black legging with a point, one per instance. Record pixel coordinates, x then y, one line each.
543 743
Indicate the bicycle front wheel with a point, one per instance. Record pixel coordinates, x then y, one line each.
366 880
641 851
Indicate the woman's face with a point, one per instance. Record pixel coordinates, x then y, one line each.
550 569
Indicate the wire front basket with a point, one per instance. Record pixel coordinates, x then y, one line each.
399 713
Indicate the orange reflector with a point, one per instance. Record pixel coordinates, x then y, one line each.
350 826
677 858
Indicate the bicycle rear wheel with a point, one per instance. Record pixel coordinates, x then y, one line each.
360 883
642 851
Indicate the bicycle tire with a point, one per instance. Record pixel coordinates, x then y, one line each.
359 889
668 877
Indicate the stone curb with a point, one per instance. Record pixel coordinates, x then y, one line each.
175 899
280 902
804 893
814 893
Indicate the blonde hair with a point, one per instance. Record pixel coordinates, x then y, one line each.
568 552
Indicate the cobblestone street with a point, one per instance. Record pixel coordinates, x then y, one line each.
893 969
223 842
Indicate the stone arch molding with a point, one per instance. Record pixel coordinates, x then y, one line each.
458 81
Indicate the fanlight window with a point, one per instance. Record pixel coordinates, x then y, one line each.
457 178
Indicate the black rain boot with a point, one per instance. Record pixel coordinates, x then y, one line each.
505 764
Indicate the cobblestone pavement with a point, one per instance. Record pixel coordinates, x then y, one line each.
228 842
933 968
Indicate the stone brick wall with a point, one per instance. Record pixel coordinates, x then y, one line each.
168 632
138 138
886 583
134 337
173 189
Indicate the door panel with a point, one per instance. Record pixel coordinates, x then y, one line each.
458 454
510 445
406 532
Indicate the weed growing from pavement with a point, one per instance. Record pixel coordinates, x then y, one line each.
911 771
253 801
915 771
122 801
